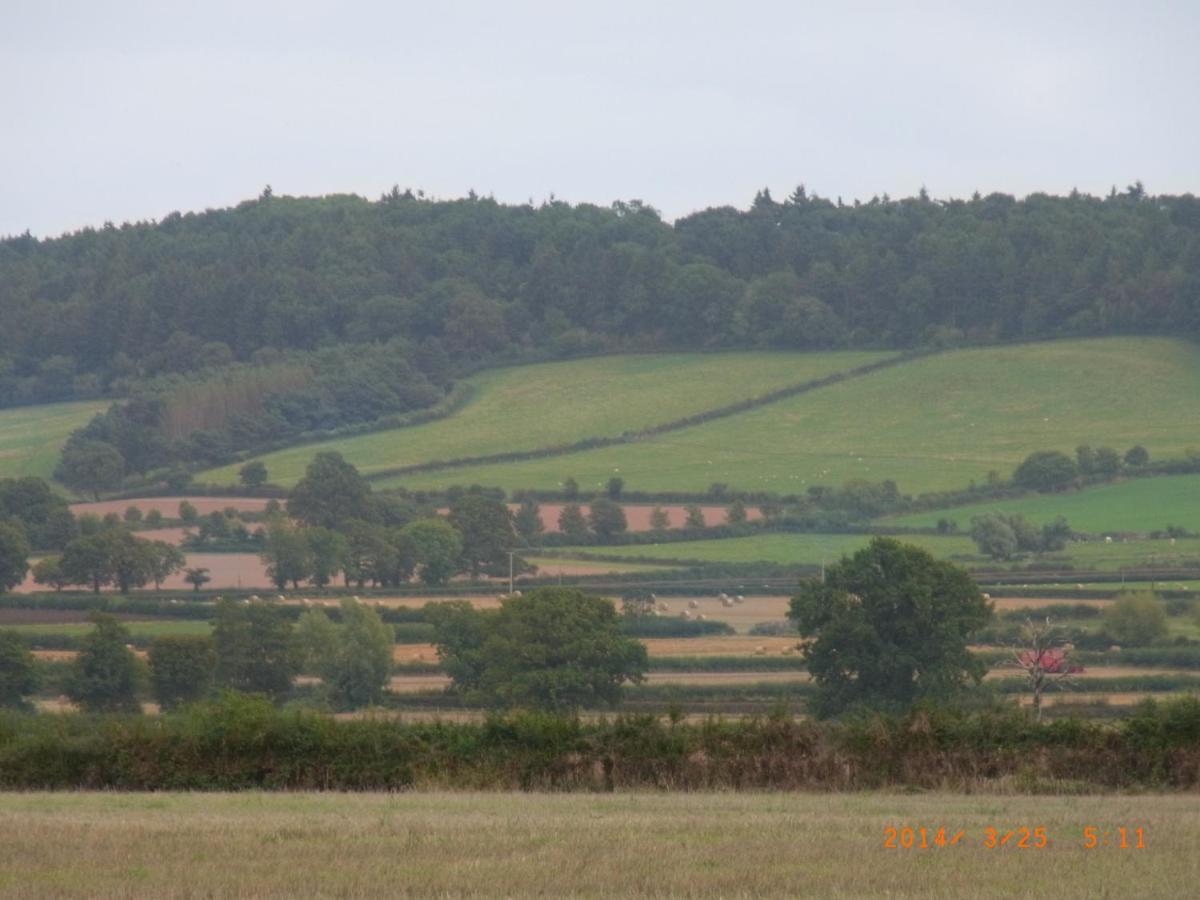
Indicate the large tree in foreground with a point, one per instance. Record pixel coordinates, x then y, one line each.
553 648
887 627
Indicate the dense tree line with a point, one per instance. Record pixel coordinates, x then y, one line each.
471 280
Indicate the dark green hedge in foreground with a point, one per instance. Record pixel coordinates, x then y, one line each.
242 743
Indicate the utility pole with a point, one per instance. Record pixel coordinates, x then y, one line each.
510 572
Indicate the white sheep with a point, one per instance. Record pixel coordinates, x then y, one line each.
693 604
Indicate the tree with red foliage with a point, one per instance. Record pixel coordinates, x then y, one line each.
1044 660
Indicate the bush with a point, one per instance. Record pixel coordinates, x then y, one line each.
1046 470
182 668
1137 619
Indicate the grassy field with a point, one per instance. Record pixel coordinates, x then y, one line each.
1140 504
581 845
931 424
1127 554
31 436
527 407
137 630
800 549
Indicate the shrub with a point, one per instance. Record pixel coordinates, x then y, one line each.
182 668
1137 619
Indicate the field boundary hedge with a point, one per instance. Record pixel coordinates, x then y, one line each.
240 743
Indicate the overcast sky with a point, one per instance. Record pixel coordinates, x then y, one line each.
130 110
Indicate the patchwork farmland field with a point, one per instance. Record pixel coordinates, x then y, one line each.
1139 504
799 549
423 844
32 436
930 424
528 407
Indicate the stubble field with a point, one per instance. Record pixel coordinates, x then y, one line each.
585 845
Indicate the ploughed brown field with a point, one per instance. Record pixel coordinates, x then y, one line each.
227 570
637 516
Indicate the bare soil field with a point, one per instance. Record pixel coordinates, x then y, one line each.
637 515
699 845
721 645
170 535
227 570
169 506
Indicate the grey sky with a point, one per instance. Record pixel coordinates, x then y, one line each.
126 110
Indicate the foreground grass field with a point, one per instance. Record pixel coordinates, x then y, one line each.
930 424
31 436
1140 504
622 845
527 407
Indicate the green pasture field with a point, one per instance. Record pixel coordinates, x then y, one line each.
527 407
1138 504
934 423
423 844
801 549
137 630
32 436
1098 555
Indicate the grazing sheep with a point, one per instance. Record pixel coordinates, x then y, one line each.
987 596
1115 648
740 599
1108 539
254 596
280 597
702 617
727 602
760 650
693 604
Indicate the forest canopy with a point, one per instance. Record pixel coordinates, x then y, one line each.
284 315
472 278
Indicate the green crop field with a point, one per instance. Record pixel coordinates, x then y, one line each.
31 436
137 630
1128 554
1139 504
528 407
930 424
802 549
419 844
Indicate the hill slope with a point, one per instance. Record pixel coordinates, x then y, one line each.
31 436
528 407
930 424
